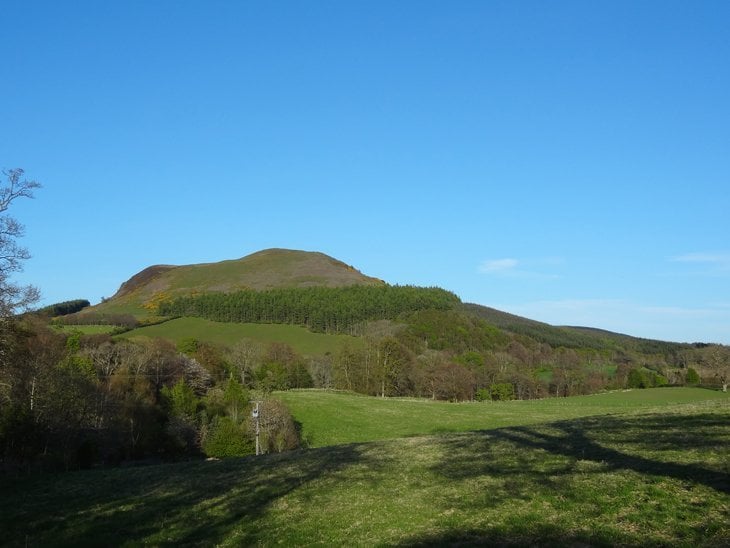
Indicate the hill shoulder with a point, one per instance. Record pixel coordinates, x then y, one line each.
145 277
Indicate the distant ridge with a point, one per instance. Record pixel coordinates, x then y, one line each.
569 336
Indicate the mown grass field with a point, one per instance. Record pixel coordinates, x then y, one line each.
301 339
647 475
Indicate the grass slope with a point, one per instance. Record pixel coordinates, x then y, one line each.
301 339
648 479
271 268
330 418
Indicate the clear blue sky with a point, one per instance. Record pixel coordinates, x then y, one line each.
565 161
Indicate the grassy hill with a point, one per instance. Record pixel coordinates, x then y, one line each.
652 476
271 268
282 268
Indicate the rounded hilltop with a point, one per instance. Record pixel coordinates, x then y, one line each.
265 269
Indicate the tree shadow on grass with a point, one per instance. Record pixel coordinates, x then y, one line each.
542 535
558 479
591 440
650 435
187 504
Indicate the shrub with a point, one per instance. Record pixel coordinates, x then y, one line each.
225 438
188 345
692 377
483 394
660 380
279 431
502 391
180 400
182 436
638 379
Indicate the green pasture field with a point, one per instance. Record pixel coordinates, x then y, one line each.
645 476
330 417
85 329
301 339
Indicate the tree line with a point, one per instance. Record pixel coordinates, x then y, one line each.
64 308
72 401
122 321
321 309
453 356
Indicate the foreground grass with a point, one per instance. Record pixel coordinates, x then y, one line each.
330 418
644 479
301 339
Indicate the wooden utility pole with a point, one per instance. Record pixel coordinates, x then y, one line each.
255 415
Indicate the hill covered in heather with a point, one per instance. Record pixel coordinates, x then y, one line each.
267 269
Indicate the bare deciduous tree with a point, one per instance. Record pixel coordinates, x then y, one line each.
718 361
13 296
245 357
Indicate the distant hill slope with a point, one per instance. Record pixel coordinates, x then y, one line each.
542 332
569 336
271 268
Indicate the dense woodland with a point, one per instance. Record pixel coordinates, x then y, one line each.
321 309
64 308
71 401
